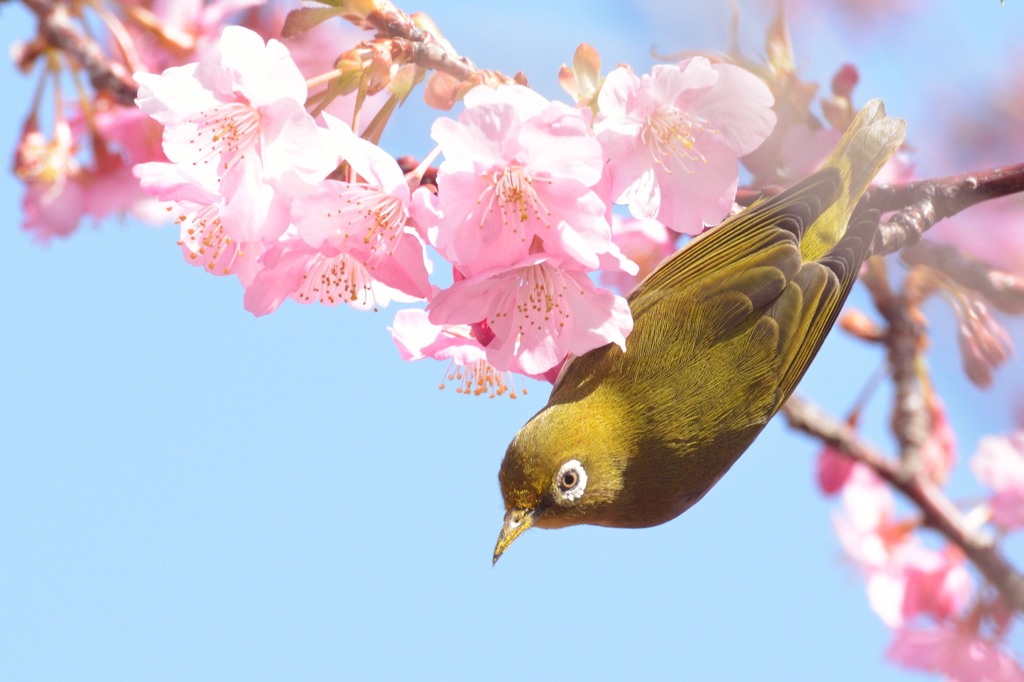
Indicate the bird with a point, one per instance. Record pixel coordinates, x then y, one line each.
724 329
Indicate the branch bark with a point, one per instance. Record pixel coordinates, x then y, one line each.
425 50
919 205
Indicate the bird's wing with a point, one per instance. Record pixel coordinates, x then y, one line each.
747 278
806 311
782 218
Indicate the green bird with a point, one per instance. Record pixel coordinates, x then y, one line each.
723 331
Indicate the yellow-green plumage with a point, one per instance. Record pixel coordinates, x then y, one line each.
723 331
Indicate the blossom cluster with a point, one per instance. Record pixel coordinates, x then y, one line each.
942 621
79 166
302 207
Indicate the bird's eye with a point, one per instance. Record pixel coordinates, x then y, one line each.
571 480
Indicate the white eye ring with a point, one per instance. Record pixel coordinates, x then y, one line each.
571 480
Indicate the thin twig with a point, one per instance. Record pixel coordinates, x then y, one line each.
938 512
1004 290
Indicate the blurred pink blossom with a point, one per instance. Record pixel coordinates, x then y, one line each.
938 452
990 231
956 651
54 198
904 578
54 210
833 470
999 464
803 150
60 189
673 138
172 32
921 580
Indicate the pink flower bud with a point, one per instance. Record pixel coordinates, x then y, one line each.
845 80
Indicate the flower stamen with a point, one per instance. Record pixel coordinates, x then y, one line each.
671 137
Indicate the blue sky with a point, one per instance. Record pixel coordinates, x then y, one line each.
187 492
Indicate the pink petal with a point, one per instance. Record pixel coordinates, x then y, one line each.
739 108
558 143
689 202
281 275
293 149
667 83
172 97
477 140
263 72
1008 509
537 313
834 469
528 103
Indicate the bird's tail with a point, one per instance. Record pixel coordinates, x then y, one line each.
867 144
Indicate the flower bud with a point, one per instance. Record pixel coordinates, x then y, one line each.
858 324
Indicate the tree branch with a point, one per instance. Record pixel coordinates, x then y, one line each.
425 50
938 512
911 419
56 27
921 204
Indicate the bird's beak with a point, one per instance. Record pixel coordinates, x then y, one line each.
516 521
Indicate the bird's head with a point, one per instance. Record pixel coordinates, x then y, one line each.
564 467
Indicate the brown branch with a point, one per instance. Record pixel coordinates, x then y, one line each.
916 206
922 203
911 419
938 512
422 47
56 27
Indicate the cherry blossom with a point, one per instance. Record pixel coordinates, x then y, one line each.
188 29
904 577
367 219
1000 243
518 177
61 189
956 651
999 464
538 313
240 123
54 197
417 338
196 206
673 138
293 269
